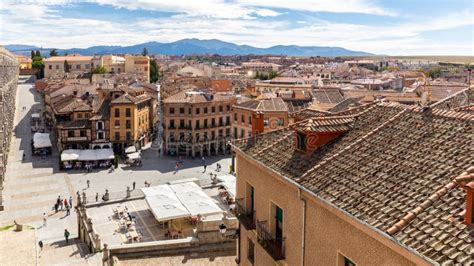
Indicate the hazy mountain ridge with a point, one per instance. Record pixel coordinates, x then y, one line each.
196 46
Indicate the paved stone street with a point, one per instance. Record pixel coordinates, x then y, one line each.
33 183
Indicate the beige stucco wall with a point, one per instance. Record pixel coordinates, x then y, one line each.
328 235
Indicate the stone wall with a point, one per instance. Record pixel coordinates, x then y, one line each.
8 84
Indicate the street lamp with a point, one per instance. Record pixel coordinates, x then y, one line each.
222 229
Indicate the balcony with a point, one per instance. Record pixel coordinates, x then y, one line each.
246 218
275 247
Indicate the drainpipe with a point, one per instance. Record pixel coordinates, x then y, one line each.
237 260
303 233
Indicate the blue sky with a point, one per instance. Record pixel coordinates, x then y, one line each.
402 27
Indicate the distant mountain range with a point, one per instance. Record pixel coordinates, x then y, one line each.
195 47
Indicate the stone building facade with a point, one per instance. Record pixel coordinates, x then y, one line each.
197 122
8 84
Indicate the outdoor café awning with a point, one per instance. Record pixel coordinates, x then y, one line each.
130 149
41 140
182 200
87 155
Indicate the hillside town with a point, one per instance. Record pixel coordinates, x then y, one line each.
246 159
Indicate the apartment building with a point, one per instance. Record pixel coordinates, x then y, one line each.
251 68
282 84
197 122
78 64
370 188
131 118
54 66
253 117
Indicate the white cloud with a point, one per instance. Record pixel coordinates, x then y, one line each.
45 26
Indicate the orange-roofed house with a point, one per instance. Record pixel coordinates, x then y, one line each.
221 85
54 66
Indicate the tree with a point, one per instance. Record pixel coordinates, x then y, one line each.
99 70
37 63
53 52
32 54
154 71
434 72
38 53
145 51
67 67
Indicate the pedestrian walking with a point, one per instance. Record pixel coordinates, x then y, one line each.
61 205
56 207
66 235
88 183
45 219
68 210
65 203
133 185
205 166
40 244
97 197
70 201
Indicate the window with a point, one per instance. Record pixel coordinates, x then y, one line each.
235 117
117 136
79 116
280 121
228 108
128 136
70 133
265 122
181 110
348 262
171 123
128 124
117 123
88 66
82 133
242 119
190 111
221 121
227 120
50 67
197 124
213 122
235 133
198 111
78 66
171 110
250 120
242 133
251 251
205 123
213 134
221 108
227 132
100 135
301 138
181 123
205 110
128 112
57 66
117 112
213 109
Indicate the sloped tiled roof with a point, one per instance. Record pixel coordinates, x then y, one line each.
71 104
272 104
326 124
329 96
390 162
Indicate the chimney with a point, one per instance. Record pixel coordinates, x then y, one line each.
469 217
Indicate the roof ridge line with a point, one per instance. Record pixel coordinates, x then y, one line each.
450 97
362 138
411 215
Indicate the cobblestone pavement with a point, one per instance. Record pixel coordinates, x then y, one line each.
33 183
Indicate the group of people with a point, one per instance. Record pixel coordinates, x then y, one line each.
63 204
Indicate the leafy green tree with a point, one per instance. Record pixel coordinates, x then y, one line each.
38 53
67 67
154 71
37 63
145 51
53 52
434 72
99 70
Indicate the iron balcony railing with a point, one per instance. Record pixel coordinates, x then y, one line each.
246 218
275 247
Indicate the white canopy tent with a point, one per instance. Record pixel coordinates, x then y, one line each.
182 200
87 155
130 149
229 182
41 140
